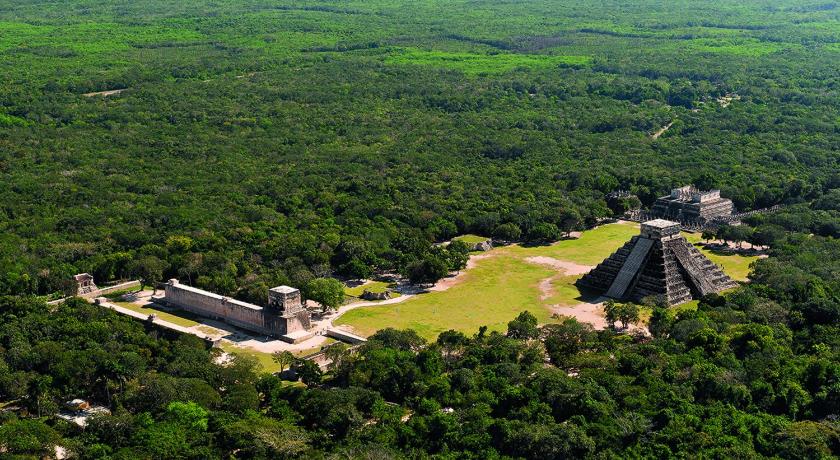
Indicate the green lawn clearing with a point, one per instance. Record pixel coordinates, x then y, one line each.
491 294
476 64
503 284
591 248
161 314
471 239
736 266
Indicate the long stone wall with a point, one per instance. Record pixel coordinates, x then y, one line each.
235 312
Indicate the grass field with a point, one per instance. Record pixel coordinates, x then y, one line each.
496 289
736 266
475 64
471 239
162 314
503 284
491 294
590 249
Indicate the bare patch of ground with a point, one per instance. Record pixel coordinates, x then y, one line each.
727 99
661 131
569 268
545 288
110 92
592 313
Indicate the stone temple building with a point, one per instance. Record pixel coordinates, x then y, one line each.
84 283
657 262
688 204
285 317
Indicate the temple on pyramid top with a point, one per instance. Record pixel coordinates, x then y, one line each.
658 262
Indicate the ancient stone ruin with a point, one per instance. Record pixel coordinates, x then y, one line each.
658 262
380 295
689 204
285 316
84 284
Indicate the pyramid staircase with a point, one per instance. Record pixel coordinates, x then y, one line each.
659 262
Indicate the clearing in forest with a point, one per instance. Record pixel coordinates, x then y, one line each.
501 283
475 64
372 286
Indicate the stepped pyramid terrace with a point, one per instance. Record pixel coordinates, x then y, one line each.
657 262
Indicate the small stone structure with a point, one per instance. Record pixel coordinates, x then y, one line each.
485 245
687 204
84 284
285 316
657 262
370 295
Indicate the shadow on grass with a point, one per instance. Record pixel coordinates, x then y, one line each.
535 244
589 296
726 251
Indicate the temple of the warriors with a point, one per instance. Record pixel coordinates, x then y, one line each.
690 204
285 316
657 262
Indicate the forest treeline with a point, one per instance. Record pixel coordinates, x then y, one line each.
752 373
266 142
244 154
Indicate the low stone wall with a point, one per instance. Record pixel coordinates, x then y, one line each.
101 291
345 336
117 287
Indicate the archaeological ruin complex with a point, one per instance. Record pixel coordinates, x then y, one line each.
285 317
658 262
688 204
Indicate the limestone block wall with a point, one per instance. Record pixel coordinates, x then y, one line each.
235 312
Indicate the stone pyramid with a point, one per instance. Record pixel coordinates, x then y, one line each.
657 262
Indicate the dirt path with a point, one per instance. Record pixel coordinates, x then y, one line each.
545 288
110 92
569 268
584 312
661 131
593 313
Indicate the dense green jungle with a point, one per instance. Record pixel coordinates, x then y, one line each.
251 143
